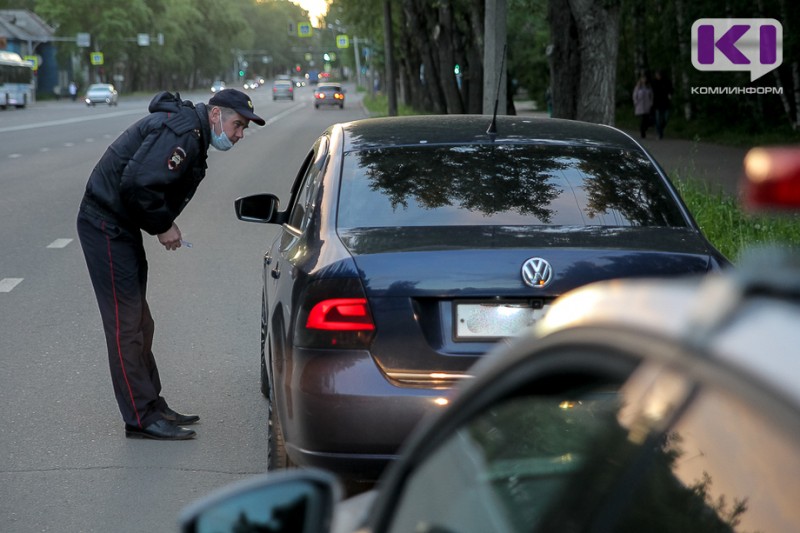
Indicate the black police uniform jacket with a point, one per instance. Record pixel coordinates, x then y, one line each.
150 172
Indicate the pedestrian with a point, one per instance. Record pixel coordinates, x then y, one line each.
73 90
662 101
142 183
643 103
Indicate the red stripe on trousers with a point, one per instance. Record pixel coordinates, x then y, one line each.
116 318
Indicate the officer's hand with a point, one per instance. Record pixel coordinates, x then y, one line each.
171 239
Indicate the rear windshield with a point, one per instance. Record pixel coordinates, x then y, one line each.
504 184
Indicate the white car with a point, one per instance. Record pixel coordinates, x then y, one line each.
101 93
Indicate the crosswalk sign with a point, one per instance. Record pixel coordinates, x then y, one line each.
304 29
342 41
97 58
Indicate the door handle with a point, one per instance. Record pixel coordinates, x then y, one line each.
275 272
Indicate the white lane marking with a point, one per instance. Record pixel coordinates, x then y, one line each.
59 243
8 284
44 149
283 114
69 144
70 121
14 156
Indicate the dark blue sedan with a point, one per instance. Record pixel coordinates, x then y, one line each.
410 246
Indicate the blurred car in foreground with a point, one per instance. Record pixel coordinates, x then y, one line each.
330 94
217 86
410 246
283 89
633 405
101 93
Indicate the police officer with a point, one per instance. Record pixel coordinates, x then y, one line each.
142 182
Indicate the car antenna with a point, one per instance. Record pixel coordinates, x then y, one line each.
493 126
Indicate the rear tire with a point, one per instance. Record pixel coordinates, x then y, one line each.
277 458
265 349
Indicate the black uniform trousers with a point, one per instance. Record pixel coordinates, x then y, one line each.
117 266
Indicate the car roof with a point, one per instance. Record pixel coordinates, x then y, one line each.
471 129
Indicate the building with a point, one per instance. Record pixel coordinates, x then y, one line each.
23 32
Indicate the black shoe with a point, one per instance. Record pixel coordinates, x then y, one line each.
177 418
159 430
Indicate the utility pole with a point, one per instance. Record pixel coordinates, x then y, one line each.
391 92
493 43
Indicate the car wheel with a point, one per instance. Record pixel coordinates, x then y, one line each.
316 106
265 350
341 106
277 458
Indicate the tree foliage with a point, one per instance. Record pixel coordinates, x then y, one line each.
586 53
202 39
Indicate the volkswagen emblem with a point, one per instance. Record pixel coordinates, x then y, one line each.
536 272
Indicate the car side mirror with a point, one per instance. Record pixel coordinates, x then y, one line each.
261 208
278 502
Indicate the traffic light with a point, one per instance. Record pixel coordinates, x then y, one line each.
241 73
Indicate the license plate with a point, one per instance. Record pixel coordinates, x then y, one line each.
493 320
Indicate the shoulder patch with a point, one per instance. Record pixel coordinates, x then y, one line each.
176 158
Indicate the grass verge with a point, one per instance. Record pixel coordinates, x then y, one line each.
729 227
378 106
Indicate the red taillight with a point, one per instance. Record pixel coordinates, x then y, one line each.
320 96
334 313
341 314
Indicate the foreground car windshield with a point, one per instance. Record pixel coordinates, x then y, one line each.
503 184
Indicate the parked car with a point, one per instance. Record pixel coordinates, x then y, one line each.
410 246
283 89
329 94
101 93
633 405
217 86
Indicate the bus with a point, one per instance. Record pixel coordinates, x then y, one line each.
16 80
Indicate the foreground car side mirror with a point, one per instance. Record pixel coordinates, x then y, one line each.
261 208
278 502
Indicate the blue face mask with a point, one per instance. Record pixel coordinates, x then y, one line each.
221 141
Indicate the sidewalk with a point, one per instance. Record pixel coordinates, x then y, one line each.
719 165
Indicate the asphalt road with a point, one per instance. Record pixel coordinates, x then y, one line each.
65 464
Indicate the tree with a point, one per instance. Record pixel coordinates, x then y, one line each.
583 62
